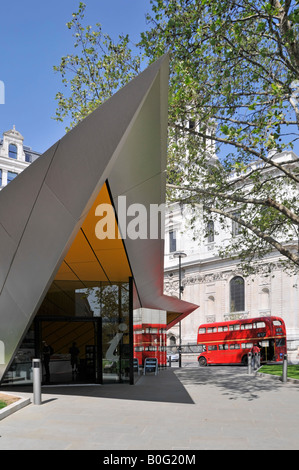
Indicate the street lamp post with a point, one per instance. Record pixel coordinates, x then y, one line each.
180 255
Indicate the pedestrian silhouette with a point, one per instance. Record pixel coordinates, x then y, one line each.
74 352
47 352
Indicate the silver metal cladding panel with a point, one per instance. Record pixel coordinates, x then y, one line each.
140 157
13 319
95 143
41 248
7 249
18 198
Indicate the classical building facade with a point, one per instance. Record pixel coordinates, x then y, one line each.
14 156
218 285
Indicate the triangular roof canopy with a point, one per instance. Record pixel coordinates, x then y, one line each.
118 150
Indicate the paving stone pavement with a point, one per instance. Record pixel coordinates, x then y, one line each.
186 408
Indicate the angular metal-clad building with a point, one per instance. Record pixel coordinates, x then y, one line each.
58 279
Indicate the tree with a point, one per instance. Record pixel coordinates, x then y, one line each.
97 68
234 83
234 87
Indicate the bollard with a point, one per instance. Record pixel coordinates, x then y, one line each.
249 363
36 365
258 360
285 368
169 361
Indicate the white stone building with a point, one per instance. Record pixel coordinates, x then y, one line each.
218 286
14 156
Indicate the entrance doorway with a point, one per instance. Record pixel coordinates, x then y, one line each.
99 320
63 335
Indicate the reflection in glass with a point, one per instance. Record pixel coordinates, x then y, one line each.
111 302
96 318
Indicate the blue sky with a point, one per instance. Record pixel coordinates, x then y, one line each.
34 37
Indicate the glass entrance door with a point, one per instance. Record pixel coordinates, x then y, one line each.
70 349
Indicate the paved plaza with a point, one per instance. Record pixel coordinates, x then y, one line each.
186 408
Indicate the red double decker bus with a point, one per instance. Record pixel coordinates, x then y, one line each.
150 341
230 342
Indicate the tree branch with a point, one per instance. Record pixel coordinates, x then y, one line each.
268 202
267 238
248 149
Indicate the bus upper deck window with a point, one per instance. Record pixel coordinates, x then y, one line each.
259 324
222 328
212 330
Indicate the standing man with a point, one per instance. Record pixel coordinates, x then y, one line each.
47 353
74 352
255 356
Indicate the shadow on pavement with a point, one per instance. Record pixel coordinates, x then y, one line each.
164 387
233 382
173 385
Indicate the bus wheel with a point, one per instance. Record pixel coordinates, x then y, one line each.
245 360
202 362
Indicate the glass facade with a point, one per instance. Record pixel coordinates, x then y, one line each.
96 319
114 304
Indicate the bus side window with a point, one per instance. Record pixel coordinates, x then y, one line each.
234 327
222 328
259 324
246 345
